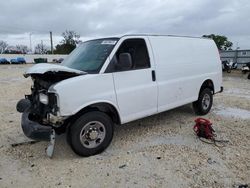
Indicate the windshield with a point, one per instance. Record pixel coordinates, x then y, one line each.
90 56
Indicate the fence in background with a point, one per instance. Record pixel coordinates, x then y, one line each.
237 56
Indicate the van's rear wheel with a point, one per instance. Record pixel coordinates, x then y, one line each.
91 133
204 103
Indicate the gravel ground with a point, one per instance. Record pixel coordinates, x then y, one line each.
158 151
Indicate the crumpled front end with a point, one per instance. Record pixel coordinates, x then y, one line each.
40 113
40 109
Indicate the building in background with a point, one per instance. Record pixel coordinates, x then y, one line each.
239 56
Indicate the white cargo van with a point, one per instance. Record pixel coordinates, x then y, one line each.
117 80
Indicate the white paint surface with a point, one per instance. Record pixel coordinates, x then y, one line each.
41 68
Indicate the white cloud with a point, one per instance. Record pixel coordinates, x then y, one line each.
111 17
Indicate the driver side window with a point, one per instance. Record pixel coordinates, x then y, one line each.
137 49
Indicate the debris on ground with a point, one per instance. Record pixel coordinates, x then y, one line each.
122 166
24 143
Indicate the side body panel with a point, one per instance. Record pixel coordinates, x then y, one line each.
182 65
136 94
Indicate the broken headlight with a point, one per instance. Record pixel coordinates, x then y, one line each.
43 98
53 103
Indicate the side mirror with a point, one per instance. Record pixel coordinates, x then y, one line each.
125 62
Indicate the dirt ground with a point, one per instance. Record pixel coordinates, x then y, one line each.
158 151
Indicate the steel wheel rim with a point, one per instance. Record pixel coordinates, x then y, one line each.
206 101
92 134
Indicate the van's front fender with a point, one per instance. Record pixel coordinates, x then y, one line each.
78 92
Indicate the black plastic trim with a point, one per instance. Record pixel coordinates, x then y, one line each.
35 130
221 90
153 76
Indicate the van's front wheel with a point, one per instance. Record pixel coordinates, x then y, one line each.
204 103
91 133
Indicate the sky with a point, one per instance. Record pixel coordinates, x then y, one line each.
22 19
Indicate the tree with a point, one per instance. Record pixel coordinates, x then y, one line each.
41 49
23 49
70 37
221 41
3 46
69 43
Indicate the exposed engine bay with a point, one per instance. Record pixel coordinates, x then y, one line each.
41 119
43 106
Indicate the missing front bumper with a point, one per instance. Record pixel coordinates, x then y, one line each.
36 131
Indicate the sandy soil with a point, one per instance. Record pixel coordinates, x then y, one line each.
158 151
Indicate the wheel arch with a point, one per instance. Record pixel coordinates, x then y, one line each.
207 83
102 106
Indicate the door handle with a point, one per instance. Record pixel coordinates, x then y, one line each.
153 76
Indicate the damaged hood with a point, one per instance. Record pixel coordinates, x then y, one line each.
43 68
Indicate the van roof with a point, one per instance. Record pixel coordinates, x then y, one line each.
138 35
160 35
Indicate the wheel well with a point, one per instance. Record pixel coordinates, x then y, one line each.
107 108
207 84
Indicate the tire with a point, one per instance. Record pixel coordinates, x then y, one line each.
204 103
91 133
248 76
228 70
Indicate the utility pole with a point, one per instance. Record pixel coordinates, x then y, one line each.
236 53
30 43
51 42
41 46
